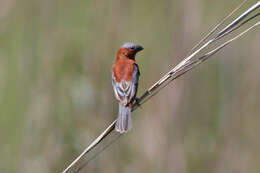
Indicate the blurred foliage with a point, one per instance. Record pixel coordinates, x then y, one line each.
56 94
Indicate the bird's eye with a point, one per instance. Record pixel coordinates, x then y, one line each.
132 48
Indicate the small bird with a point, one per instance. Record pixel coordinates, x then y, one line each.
125 76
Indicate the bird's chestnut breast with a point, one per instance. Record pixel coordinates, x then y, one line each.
123 70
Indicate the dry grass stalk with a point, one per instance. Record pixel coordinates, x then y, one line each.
185 65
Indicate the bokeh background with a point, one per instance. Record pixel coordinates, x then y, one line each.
56 94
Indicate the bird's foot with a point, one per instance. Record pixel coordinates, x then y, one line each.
137 102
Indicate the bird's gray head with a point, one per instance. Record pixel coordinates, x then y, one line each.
132 46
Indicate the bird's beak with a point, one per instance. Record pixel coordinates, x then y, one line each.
138 48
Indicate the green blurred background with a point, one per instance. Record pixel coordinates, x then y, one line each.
56 94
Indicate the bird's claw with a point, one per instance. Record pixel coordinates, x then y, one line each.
137 102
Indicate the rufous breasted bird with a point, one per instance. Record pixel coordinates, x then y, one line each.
125 76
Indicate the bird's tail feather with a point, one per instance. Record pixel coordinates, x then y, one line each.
124 121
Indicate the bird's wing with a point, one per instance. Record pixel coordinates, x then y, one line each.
125 91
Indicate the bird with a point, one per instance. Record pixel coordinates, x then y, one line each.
125 76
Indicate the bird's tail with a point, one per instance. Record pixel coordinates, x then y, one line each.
124 121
